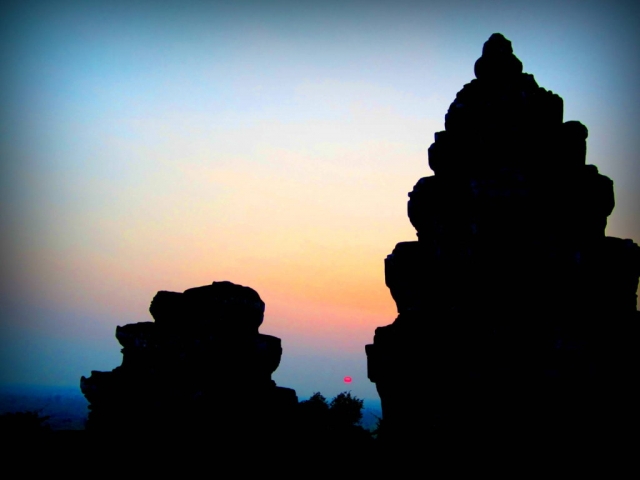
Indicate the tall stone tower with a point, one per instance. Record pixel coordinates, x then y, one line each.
516 313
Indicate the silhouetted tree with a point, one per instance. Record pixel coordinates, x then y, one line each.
316 407
378 428
334 421
345 409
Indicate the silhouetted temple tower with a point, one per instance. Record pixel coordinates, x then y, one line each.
515 312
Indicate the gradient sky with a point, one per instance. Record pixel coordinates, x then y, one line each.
158 145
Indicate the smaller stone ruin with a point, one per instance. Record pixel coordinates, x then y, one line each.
201 365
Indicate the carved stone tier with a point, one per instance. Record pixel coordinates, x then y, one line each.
529 207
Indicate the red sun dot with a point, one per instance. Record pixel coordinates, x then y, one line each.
347 379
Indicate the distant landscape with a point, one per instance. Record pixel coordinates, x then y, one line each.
66 407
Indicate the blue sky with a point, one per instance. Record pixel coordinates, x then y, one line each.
162 145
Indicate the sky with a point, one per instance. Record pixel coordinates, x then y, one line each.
164 145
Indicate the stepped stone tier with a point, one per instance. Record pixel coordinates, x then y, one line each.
202 364
516 313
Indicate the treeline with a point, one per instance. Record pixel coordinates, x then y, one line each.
337 420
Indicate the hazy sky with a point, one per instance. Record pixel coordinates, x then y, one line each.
158 145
